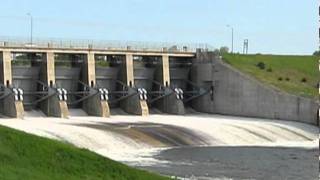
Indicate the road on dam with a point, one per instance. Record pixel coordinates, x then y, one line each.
193 145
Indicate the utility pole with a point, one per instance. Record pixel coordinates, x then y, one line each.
319 59
232 31
31 28
245 46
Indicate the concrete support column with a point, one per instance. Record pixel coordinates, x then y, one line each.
90 70
6 76
9 106
52 106
133 104
49 71
165 71
94 105
129 70
169 104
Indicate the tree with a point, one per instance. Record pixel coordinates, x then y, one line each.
224 50
316 53
216 51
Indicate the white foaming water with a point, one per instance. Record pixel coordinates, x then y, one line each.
218 131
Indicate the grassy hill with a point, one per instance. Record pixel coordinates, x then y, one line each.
297 75
25 156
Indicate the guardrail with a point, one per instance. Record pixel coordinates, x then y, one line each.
102 45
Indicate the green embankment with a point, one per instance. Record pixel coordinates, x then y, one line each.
297 75
25 156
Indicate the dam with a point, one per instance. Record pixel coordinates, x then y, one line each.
165 109
57 76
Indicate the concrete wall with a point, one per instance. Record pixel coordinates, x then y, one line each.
236 93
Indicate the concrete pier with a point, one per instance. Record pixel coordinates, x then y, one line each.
165 71
169 104
52 106
6 74
10 106
133 104
94 105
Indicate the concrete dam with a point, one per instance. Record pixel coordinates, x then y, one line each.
55 78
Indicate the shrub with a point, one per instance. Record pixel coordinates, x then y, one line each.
261 65
280 79
304 80
287 79
316 53
269 70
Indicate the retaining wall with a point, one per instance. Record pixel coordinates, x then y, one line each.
236 93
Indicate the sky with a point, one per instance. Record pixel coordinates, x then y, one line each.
272 26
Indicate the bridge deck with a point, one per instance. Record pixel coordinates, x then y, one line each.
99 51
101 47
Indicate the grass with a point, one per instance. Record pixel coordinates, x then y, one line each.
287 73
25 156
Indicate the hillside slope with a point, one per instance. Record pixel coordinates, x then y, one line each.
297 75
25 156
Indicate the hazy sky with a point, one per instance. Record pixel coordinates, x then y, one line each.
272 26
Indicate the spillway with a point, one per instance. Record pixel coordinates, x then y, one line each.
129 138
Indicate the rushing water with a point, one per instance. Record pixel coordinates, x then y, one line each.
272 163
197 146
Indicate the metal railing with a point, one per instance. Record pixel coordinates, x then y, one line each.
102 45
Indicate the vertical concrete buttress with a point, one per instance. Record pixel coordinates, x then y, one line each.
129 70
169 104
50 71
133 104
91 72
93 105
6 67
165 70
9 106
52 106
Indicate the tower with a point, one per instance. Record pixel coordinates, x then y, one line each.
245 46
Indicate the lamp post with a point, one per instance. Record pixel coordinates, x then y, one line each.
31 28
232 30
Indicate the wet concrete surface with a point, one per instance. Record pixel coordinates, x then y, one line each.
270 163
